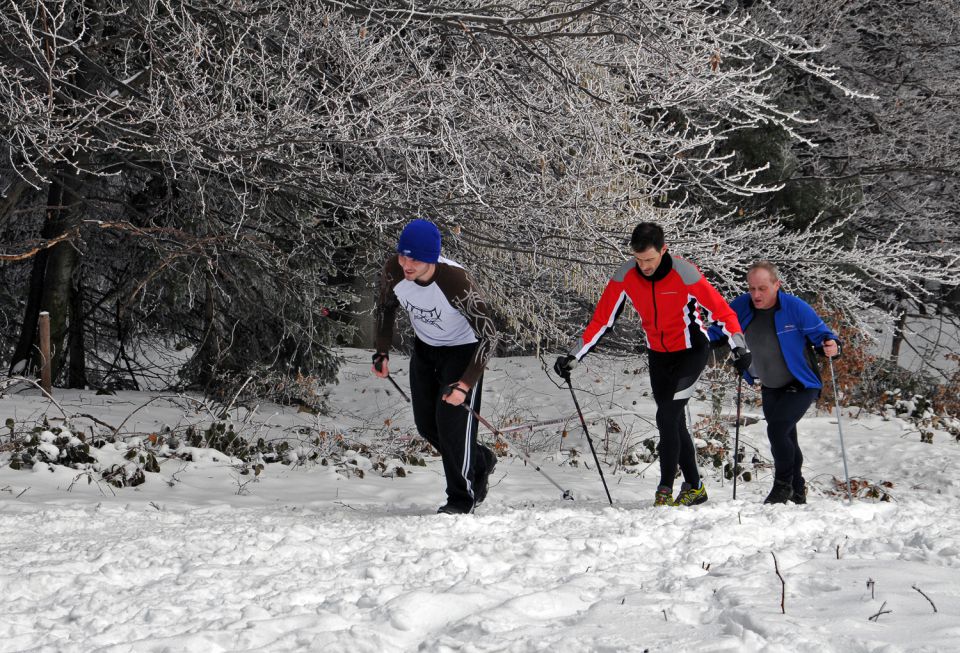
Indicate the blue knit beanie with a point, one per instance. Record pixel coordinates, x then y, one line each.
420 240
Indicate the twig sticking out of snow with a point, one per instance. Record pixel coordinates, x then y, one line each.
926 597
880 612
783 585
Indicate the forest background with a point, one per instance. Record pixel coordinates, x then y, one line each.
202 194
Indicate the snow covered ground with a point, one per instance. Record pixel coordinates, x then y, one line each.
309 558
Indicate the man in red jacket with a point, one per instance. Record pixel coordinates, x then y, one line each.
676 306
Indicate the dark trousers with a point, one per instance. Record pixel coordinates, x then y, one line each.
783 408
673 376
450 429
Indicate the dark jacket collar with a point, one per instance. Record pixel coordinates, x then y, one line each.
666 265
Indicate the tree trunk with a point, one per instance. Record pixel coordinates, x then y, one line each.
57 298
12 198
77 371
207 355
898 335
50 288
23 353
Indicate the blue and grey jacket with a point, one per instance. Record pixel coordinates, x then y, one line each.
798 326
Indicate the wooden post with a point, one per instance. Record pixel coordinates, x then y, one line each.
45 381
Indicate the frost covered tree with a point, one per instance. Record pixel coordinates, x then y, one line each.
886 164
166 176
228 176
638 112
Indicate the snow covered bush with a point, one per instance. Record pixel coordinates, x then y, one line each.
103 456
42 444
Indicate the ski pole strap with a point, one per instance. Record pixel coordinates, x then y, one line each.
454 386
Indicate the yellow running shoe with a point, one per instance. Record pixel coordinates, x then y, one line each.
690 497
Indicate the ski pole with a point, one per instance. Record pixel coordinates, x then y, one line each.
378 365
536 425
399 389
589 440
736 438
499 433
843 451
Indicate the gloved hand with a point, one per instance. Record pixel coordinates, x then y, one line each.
741 359
564 365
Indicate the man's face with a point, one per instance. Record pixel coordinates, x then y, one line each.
762 289
414 270
649 259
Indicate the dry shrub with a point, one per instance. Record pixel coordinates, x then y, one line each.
946 398
850 367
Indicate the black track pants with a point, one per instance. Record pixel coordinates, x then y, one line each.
673 376
783 408
450 429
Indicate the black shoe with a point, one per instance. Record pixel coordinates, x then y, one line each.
451 509
483 481
799 496
781 493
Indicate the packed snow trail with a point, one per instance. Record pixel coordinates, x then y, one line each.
549 577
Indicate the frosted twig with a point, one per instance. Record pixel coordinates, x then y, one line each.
226 410
45 393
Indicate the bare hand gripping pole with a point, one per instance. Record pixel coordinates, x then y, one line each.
378 364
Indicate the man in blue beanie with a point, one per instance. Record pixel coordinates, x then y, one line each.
455 337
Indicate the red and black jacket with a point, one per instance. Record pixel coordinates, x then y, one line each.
671 304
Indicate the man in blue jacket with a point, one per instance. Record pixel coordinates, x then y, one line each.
780 330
